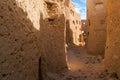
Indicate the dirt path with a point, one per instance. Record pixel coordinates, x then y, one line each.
83 66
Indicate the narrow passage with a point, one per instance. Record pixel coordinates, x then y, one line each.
83 66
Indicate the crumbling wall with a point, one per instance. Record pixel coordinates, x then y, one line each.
19 51
69 34
75 25
54 43
53 39
112 54
96 16
30 40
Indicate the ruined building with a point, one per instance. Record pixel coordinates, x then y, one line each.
33 37
29 35
33 34
73 26
96 16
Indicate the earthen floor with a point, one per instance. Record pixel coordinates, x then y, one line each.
83 66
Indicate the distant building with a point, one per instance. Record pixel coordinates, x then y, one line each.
73 28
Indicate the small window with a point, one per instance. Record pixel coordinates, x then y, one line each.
72 12
73 22
50 20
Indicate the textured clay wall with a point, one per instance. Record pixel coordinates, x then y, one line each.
112 54
28 42
19 51
96 16
53 36
69 32
54 43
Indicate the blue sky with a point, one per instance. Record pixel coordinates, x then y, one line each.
80 7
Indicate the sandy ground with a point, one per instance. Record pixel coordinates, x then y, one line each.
83 66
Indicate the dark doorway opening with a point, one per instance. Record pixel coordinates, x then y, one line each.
40 69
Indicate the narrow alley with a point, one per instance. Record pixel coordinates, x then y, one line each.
59 40
83 66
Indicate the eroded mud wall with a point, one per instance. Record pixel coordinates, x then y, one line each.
23 47
19 51
96 17
53 35
112 54
54 43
